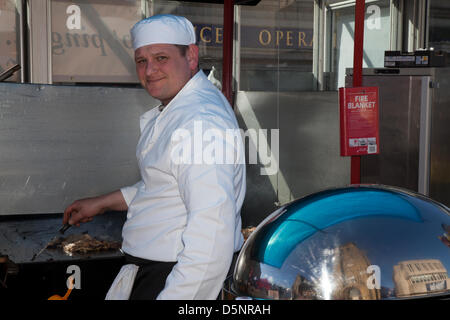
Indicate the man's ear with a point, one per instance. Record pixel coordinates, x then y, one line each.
192 56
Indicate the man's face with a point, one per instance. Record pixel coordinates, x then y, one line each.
163 70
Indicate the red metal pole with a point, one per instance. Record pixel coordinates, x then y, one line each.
358 50
227 63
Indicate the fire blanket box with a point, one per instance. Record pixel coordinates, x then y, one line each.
359 126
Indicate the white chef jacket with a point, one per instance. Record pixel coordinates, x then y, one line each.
181 211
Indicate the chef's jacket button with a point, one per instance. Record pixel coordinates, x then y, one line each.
128 215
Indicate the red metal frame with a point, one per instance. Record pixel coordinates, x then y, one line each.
355 165
227 63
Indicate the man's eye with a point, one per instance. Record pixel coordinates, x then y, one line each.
161 58
140 61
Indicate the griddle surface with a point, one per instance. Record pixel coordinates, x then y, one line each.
24 236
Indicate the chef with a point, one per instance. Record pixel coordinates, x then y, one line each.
183 217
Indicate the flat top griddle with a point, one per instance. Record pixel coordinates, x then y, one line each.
23 236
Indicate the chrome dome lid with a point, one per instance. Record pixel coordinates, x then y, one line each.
359 242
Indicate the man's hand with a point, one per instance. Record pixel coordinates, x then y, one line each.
84 210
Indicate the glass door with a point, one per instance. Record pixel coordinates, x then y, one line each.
340 27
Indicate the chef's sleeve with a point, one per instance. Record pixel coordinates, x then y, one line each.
129 192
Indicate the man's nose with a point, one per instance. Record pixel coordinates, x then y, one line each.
151 68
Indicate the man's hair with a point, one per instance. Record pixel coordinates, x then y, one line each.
183 49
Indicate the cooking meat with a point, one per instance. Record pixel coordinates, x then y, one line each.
246 232
82 244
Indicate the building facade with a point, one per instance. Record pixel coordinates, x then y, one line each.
420 277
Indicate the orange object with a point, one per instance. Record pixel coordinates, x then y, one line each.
66 296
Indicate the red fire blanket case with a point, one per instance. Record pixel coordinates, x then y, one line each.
359 121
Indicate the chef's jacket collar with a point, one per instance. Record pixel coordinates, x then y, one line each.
161 109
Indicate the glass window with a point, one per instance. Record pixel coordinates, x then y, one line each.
410 268
91 40
10 36
377 30
276 46
439 25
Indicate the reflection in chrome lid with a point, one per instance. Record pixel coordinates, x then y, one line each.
359 242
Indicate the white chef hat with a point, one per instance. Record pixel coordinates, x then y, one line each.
163 28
